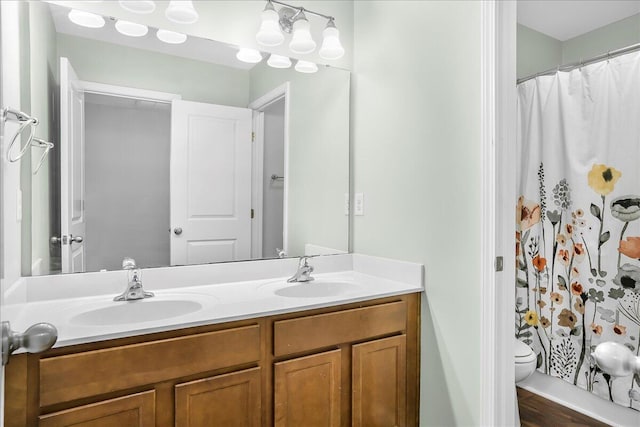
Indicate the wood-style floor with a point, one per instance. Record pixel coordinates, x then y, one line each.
536 411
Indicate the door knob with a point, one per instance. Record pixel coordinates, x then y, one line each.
177 231
64 240
36 339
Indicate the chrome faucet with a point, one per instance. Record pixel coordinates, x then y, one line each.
304 271
134 290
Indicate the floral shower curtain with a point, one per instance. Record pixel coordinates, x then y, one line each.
578 221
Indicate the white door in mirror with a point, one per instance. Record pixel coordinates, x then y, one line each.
210 183
72 191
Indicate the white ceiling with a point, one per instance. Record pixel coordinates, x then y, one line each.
193 48
565 19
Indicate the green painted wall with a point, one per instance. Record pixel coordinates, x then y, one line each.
118 65
44 101
610 37
536 52
416 157
318 152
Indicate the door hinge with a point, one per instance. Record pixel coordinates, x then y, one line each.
251 213
499 263
253 137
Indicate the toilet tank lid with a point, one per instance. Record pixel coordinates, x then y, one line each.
522 350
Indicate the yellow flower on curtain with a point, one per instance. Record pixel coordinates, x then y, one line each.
531 318
603 178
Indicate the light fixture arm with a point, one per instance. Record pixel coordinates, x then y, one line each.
302 10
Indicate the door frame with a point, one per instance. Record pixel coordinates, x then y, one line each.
498 195
258 106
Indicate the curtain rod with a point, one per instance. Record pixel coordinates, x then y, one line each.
581 63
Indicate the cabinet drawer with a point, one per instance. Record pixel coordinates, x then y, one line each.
134 410
66 378
323 330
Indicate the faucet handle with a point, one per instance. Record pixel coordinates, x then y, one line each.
128 263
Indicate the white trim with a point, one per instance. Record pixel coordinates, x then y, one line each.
498 117
257 187
260 104
488 330
128 92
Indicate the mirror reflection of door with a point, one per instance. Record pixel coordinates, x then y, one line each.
165 182
273 179
72 167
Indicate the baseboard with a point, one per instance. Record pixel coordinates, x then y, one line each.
579 400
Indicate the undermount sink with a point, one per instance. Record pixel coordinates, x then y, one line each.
145 310
317 288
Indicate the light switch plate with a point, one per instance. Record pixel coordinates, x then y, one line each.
346 203
359 204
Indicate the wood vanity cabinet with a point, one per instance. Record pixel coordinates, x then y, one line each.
355 364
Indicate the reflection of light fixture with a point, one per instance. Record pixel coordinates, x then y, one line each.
331 47
278 61
138 6
252 56
270 33
86 19
181 12
171 37
131 29
306 67
293 19
302 42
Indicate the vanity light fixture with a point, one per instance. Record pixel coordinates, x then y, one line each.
181 12
131 29
171 37
306 67
278 61
293 19
138 6
302 42
86 19
270 33
331 47
252 56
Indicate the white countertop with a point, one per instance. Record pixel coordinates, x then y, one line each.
216 302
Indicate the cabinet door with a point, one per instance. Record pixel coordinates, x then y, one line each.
379 380
230 400
130 411
307 391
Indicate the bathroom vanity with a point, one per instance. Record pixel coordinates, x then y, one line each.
344 354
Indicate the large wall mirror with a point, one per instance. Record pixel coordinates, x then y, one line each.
175 154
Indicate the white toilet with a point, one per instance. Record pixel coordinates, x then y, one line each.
525 364
525 361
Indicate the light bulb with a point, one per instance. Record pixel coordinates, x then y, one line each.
278 61
270 33
131 29
306 67
302 41
252 56
171 37
331 47
181 12
86 19
138 6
